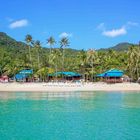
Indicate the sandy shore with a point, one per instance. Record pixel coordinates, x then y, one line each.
62 87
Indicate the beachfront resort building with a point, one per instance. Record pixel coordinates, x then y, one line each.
69 76
23 75
26 75
112 76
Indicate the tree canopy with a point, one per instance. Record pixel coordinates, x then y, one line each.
15 56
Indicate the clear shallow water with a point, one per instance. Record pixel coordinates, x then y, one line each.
75 116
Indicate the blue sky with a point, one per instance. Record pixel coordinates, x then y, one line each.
88 23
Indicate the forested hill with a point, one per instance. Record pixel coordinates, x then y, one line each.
124 46
15 56
8 41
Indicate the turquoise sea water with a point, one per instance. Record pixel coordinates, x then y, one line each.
74 116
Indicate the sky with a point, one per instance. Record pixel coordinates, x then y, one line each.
87 23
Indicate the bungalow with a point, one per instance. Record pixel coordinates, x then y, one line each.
23 75
65 76
112 76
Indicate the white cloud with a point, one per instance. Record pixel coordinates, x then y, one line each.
115 32
64 34
18 24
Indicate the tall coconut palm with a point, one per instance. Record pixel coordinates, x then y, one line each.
55 57
37 46
28 40
64 42
51 42
83 62
133 65
131 54
108 58
91 58
138 53
137 62
42 73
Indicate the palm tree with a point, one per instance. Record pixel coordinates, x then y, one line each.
37 46
42 73
28 40
12 68
55 57
82 63
64 42
51 42
137 62
133 65
24 61
91 58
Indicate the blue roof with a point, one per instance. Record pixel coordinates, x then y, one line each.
23 74
68 73
101 75
115 71
26 71
111 73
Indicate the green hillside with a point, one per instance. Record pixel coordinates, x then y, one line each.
119 47
122 46
15 56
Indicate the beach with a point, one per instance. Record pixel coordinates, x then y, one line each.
67 87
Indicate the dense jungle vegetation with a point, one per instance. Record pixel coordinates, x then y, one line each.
15 56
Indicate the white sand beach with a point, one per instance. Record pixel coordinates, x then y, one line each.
64 87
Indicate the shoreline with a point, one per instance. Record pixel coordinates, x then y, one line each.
67 87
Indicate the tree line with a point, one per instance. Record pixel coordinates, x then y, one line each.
45 61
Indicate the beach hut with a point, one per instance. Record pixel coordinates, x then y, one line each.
23 75
65 75
112 76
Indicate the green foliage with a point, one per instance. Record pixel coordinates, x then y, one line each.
15 56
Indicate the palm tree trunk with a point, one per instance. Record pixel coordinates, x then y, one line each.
63 59
50 55
92 72
30 55
38 58
84 75
63 64
56 70
38 62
